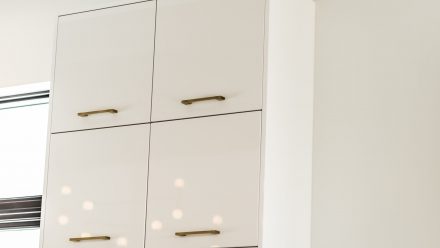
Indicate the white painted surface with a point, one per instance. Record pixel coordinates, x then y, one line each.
376 157
24 88
289 103
104 60
208 48
23 145
97 187
204 175
27 30
288 130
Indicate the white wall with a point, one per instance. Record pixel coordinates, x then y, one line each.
27 30
376 176
287 187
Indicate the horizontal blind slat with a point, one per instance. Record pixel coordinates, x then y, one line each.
23 212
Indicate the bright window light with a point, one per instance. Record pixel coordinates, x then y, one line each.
23 131
27 238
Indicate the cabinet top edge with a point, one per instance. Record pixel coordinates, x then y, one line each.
108 7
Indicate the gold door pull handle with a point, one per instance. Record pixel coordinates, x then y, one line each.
89 238
207 232
85 114
191 101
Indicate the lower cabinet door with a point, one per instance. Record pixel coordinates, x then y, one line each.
96 188
203 188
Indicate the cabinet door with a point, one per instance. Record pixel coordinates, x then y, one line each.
204 176
208 48
97 185
104 61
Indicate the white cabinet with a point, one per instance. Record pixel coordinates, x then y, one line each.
204 176
194 180
104 61
97 184
208 48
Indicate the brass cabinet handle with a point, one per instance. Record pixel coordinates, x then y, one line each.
89 238
207 232
85 114
191 101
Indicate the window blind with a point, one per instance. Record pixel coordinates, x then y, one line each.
22 212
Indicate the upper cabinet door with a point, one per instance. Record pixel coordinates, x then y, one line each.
210 51
97 188
203 188
103 68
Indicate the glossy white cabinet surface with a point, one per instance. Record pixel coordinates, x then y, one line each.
96 186
204 175
208 48
104 60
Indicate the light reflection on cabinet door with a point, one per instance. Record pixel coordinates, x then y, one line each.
96 191
204 182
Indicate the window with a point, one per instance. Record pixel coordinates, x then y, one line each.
23 131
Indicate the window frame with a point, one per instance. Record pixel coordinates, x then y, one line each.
22 212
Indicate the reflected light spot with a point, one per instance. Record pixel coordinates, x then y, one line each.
121 241
217 220
179 183
85 235
88 205
177 214
63 220
156 225
66 190
215 246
